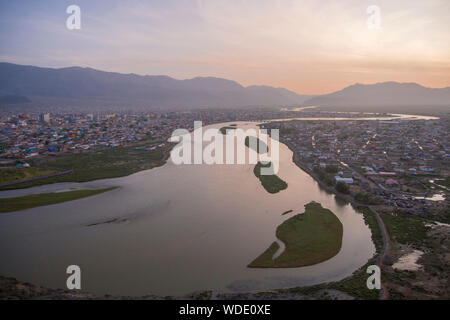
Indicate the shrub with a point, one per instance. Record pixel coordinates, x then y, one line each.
342 187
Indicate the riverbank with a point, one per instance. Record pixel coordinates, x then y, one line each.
395 233
12 289
286 205
11 175
99 164
45 199
424 283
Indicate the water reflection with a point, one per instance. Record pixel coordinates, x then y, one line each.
185 228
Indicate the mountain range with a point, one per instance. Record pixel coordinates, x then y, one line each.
384 94
155 91
19 84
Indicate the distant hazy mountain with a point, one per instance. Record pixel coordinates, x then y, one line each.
153 91
384 95
13 99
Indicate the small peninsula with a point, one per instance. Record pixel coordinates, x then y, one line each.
310 238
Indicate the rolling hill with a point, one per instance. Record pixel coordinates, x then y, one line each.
385 95
84 84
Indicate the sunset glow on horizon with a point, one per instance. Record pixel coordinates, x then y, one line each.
310 47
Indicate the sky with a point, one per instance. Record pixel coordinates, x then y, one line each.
310 47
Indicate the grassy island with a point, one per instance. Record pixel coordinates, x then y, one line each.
264 148
272 183
44 199
310 238
224 130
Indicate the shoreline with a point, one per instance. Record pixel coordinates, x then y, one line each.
66 294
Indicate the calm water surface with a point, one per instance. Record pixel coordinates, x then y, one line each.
185 228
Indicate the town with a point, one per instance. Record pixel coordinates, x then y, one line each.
397 163
390 167
23 136
394 162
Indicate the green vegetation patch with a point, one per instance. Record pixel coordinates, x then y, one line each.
342 187
367 198
324 176
332 168
310 238
100 164
265 259
355 285
405 228
44 199
8 175
272 183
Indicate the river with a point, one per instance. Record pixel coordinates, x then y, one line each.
182 228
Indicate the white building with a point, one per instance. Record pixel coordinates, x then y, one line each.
345 180
44 117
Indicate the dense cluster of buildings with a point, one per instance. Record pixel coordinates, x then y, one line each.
26 135
395 161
